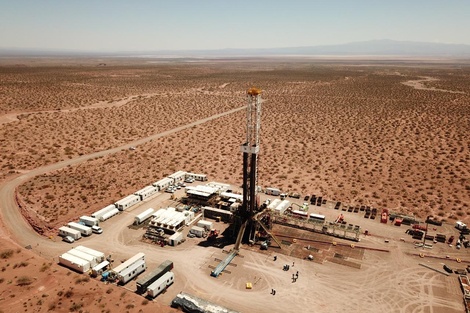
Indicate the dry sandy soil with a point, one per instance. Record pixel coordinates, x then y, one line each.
387 135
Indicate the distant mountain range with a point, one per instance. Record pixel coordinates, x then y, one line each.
363 48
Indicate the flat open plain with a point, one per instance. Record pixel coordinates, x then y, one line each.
390 135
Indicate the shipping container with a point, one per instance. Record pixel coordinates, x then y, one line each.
143 283
160 284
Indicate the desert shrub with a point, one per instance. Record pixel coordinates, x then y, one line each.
44 267
109 290
24 281
130 306
51 306
5 254
145 302
68 293
2 280
76 307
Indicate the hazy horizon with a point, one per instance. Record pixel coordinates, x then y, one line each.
113 26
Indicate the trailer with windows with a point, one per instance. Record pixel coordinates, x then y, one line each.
272 191
103 211
74 263
146 192
67 231
163 184
127 202
129 263
143 283
89 221
100 268
177 177
84 230
139 219
132 271
198 177
98 255
160 284
109 214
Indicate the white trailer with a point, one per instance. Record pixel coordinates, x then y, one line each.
127 202
84 230
274 204
272 191
132 271
82 255
163 184
74 263
207 225
281 208
109 214
100 268
198 177
139 219
99 256
198 231
160 284
103 211
67 231
89 221
175 239
146 192
177 177
136 258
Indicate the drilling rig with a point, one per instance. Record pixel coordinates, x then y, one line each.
250 151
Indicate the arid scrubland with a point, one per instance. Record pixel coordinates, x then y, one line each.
348 132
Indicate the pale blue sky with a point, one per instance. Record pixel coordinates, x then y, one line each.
178 25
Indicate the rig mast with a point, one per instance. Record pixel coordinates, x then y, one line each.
250 151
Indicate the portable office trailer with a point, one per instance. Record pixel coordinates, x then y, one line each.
146 192
84 256
272 191
67 231
205 224
281 208
136 258
127 202
160 284
163 184
139 219
143 283
132 271
89 221
109 214
100 268
274 204
231 195
177 177
84 230
175 239
74 263
99 256
198 177
103 211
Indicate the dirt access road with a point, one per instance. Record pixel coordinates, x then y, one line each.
17 227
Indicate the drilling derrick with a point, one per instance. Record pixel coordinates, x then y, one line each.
250 151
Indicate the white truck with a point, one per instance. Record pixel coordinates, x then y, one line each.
160 284
89 221
84 230
460 225
67 231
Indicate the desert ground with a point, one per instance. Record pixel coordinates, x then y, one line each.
390 135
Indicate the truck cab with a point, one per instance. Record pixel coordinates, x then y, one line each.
96 229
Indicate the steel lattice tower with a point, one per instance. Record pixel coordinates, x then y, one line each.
250 151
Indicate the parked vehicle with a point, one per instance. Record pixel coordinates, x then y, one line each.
96 229
68 239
